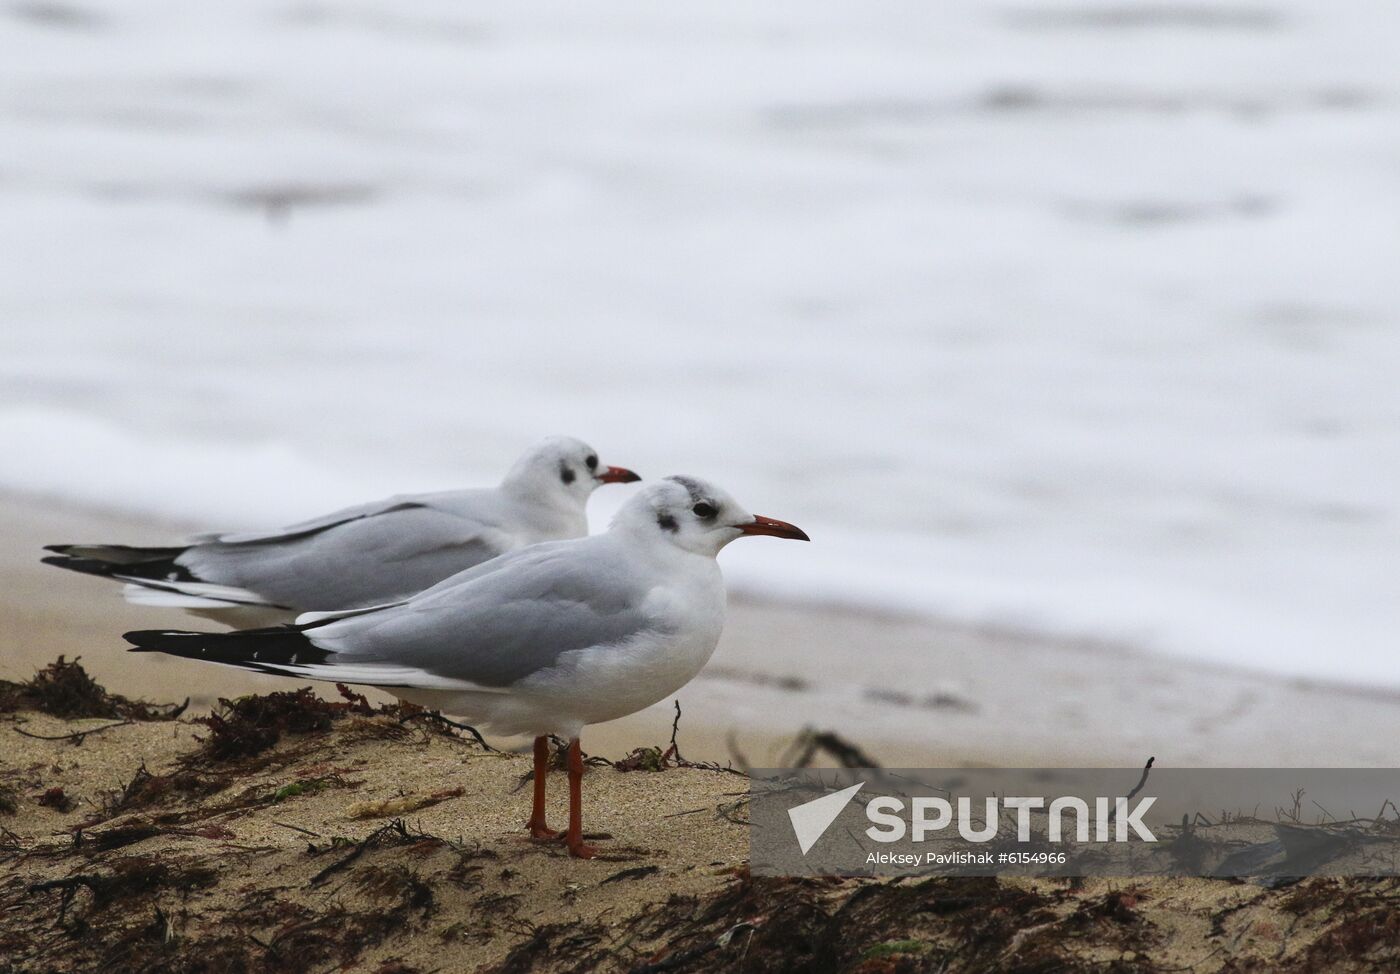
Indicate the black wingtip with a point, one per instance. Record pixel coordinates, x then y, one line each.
87 566
161 640
254 649
74 564
154 564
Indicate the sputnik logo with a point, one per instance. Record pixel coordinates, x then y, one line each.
810 820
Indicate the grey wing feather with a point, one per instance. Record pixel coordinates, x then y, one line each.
305 528
368 560
499 624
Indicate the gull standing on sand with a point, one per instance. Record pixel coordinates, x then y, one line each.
541 641
365 555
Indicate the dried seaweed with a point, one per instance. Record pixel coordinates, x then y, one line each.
763 925
64 689
129 877
246 727
369 902
56 799
146 790
661 759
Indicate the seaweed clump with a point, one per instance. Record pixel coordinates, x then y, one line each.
130 877
65 689
246 727
953 924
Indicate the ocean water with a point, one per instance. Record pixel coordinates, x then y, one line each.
1074 317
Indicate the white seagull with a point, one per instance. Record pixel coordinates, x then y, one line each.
541 641
359 556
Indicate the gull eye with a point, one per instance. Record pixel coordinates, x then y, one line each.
591 461
703 510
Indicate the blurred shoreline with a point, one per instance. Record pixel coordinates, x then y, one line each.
908 691
1019 309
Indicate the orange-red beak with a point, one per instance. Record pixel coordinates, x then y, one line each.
616 475
775 528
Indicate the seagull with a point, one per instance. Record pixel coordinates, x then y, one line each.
541 641
360 556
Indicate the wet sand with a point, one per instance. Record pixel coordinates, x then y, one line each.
909 691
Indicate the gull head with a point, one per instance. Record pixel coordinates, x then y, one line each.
562 468
697 516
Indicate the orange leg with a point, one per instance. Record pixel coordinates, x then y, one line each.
574 837
538 828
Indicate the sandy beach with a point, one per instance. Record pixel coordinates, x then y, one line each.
364 843
909 691
160 845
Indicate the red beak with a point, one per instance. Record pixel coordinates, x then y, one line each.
616 475
772 526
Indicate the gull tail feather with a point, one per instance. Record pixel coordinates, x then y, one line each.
121 561
267 650
153 576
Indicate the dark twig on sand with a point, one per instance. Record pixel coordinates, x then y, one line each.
674 750
69 885
394 828
688 811
1146 770
298 828
433 715
674 753
77 736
